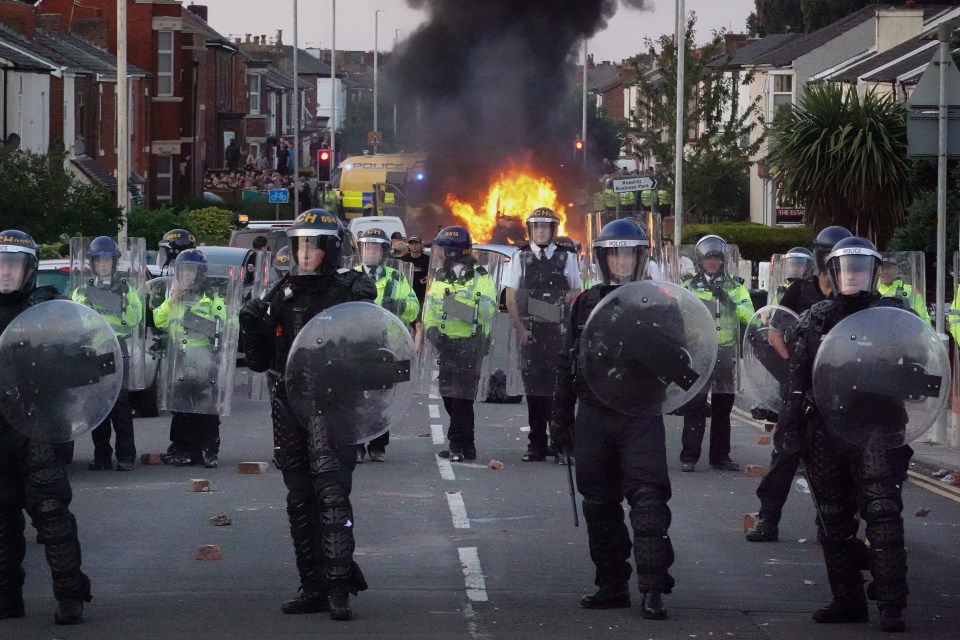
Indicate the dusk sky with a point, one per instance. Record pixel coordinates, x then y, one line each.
355 21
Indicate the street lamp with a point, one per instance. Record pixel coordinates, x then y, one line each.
296 115
333 86
681 45
123 114
376 68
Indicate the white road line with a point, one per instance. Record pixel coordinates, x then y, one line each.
446 469
436 431
434 411
473 574
458 510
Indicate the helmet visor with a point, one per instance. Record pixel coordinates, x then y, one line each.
16 269
372 254
542 231
620 265
798 265
310 252
853 274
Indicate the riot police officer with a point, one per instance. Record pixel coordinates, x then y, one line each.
317 472
729 301
800 295
120 305
193 295
798 263
846 479
394 294
618 455
458 313
892 284
31 475
541 282
280 264
171 244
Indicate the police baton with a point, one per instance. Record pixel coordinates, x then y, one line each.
573 495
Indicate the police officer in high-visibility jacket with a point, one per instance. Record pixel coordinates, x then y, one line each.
394 294
458 313
193 294
891 285
121 307
729 302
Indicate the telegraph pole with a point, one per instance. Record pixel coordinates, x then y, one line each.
123 135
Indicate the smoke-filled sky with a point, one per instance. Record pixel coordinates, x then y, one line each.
622 37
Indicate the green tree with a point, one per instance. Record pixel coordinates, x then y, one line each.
43 199
783 16
779 16
358 120
844 157
723 127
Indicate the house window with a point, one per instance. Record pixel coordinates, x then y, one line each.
165 63
782 94
253 81
255 150
164 178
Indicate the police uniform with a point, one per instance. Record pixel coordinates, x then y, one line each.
911 299
317 471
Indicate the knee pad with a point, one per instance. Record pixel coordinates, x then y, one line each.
325 462
335 506
598 510
55 524
649 513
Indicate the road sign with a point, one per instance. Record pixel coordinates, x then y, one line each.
279 196
624 185
374 138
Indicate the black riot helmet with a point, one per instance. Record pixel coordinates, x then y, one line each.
190 269
373 246
455 243
711 246
315 229
825 241
100 248
281 262
546 219
853 266
19 258
619 242
175 241
798 263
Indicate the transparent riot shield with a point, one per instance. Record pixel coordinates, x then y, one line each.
545 290
62 371
765 355
903 275
648 348
262 274
115 293
349 371
459 313
200 320
785 269
881 376
716 292
393 278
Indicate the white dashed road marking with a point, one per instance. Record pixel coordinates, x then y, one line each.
473 574
436 431
458 510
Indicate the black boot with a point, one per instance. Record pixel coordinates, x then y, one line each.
339 603
69 611
652 606
615 596
764 531
891 618
840 611
11 606
307 602
469 451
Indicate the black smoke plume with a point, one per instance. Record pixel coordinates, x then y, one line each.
487 80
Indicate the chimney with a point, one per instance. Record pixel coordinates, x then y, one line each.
199 10
910 4
49 22
92 30
20 17
237 40
256 40
279 41
248 38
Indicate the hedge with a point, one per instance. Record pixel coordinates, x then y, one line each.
756 242
211 225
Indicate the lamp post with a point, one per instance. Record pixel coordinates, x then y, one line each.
123 113
296 115
376 69
583 122
681 44
333 89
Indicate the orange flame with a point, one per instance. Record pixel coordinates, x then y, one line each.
514 194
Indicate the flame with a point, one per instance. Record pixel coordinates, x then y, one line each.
514 194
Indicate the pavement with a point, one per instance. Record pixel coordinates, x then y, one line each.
453 551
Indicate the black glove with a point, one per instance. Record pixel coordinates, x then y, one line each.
722 296
253 313
156 348
433 336
561 434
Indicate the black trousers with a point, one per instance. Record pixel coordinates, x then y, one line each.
32 478
194 432
621 456
539 410
777 481
695 424
120 421
461 430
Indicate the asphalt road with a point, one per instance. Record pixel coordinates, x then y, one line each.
451 551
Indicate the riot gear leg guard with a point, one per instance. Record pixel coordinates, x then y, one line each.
13 549
653 552
341 573
308 549
881 506
57 529
609 541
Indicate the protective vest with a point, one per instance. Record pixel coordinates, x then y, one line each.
549 273
628 199
646 198
911 299
742 310
392 286
474 287
209 306
119 305
610 199
664 197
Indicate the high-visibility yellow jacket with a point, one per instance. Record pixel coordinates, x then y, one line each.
474 288
911 299
395 294
741 309
171 315
126 315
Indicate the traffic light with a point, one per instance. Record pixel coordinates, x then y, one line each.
578 145
324 159
579 154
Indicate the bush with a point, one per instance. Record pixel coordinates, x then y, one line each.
211 225
152 224
757 242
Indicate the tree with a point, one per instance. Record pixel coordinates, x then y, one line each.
722 126
845 158
793 16
41 198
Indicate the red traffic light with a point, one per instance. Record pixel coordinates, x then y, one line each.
578 145
324 156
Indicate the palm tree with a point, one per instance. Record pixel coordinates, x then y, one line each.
844 157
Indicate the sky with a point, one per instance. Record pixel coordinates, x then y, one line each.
622 38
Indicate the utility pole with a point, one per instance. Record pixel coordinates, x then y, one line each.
296 115
681 134
123 113
376 70
333 91
583 122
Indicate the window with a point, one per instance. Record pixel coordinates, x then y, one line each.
782 94
165 63
253 82
164 178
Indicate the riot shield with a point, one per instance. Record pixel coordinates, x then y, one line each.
648 348
459 313
200 357
262 274
389 288
881 376
349 370
765 355
716 295
786 268
116 295
903 275
541 310
62 371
